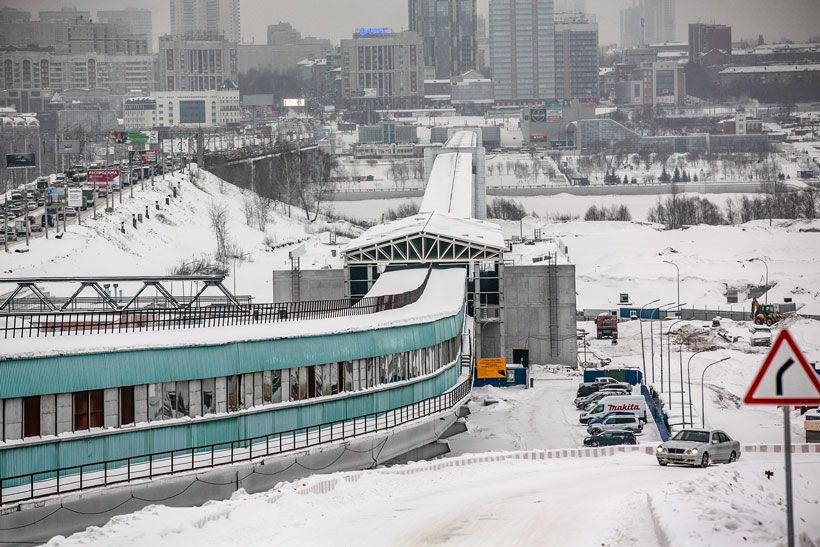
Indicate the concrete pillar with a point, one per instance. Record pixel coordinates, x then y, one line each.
111 407
194 398
480 189
221 394
48 415
13 419
247 396
356 375
285 384
65 413
141 403
257 389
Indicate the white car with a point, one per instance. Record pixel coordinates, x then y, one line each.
761 335
616 422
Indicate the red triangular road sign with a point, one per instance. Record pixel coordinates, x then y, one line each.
785 377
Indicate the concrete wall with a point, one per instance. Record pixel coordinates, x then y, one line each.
308 285
527 317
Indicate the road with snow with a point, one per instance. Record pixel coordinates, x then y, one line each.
625 499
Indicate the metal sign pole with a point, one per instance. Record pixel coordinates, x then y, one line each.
789 501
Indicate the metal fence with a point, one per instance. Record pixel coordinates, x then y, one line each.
156 464
17 324
88 303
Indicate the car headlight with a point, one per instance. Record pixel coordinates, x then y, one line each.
660 450
692 451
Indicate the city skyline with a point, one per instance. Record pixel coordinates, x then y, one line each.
794 19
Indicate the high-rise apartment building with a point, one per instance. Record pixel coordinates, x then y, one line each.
135 20
195 17
196 64
448 31
705 38
64 15
648 21
576 56
522 49
383 69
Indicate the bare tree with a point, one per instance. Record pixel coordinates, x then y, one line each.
248 205
218 217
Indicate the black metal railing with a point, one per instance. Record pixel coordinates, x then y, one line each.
21 324
95 303
156 464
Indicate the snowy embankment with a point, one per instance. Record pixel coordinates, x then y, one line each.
623 257
179 232
503 499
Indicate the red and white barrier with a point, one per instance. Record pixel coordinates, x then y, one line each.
323 486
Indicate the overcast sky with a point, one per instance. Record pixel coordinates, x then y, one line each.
336 19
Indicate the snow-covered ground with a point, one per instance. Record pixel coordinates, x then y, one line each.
620 500
179 232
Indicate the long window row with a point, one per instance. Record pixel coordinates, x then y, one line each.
55 414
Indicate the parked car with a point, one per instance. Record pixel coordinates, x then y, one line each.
584 402
635 404
698 447
611 438
608 414
629 423
761 335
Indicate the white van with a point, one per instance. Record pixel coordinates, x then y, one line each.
628 403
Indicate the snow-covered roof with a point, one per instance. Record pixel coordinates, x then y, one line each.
771 68
443 297
427 237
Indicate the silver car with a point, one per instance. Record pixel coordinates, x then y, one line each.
698 447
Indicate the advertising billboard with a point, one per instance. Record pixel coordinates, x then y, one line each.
75 197
103 177
373 31
69 147
142 157
14 161
192 111
56 196
292 103
491 368
538 115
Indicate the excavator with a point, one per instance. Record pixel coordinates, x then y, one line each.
764 313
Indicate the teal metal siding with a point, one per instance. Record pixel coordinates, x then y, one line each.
69 373
23 459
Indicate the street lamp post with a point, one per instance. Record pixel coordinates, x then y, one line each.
652 339
643 351
678 275
669 357
702 391
767 276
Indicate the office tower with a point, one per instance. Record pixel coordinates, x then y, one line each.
448 31
522 55
134 20
205 17
576 56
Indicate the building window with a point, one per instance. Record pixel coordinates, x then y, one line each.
88 409
154 402
31 416
126 405
209 396
234 394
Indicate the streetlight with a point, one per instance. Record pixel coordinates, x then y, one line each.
678 271
652 340
643 352
702 396
766 294
669 351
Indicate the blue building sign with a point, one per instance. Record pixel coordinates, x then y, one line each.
373 31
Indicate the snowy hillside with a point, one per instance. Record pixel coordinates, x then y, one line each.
616 257
177 233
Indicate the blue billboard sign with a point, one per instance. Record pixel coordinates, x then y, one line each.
373 31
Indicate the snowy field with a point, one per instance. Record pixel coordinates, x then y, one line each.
620 500
555 206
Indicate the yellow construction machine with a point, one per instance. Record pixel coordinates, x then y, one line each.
764 314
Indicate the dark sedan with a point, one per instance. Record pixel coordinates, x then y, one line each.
610 438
